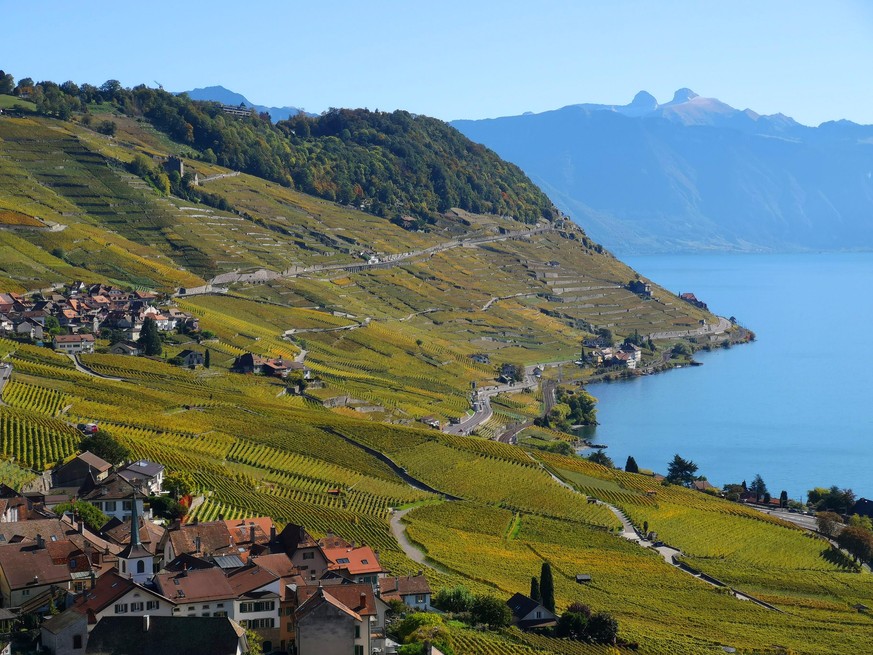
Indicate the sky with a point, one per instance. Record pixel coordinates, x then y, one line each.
462 59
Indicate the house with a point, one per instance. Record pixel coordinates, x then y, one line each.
289 581
200 539
200 592
13 506
73 344
77 470
583 578
863 507
480 358
30 571
113 594
703 485
65 633
130 348
150 635
149 476
327 625
632 351
29 329
359 564
305 553
189 358
413 590
528 613
256 602
115 497
692 299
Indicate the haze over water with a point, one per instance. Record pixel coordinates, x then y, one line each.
796 406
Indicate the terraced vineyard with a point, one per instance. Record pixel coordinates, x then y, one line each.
397 340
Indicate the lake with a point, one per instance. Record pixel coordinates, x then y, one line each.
796 406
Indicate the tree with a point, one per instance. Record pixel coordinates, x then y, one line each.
535 588
7 83
783 499
602 628
107 127
828 523
167 508
93 518
547 587
681 471
179 483
857 541
149 339
681 349
631 465
207 360
758 487
454 599
105 446
600 457
491 611
572 625
859 521
255 643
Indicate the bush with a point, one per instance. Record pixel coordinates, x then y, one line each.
455 599
491 611
94 519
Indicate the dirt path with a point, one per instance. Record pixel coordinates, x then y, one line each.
409 549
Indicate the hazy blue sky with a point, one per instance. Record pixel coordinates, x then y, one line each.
810 60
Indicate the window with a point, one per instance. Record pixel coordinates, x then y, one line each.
109 506
257 623
121 608
25 592
78 586
205 614
359 650
257 606
153 605
357 632
136 607
364 561
539 614
77 641
190 608
308 555
219 605
123 566
72 562
126 505
140 566
343 560
206 607
419 599
219 614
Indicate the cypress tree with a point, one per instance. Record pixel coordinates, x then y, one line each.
631 466
535 588
547 587
149 339
206 359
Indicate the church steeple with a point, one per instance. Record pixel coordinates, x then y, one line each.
136 561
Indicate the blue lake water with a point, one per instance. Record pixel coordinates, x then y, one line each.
796 406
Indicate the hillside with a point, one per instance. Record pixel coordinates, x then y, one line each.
227 97
695 174
386 318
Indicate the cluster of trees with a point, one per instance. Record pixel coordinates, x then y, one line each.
104 445
542 590
574 407
833 499
854 536
419 629
478 609
581 624
390 164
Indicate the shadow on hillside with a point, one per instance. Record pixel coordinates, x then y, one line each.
838 558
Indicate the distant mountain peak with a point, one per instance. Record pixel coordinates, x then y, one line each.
681 96
644 100
225 96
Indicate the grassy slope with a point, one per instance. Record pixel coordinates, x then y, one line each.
255 450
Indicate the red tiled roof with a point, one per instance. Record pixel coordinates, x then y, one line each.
194 586
250 579
356 561
359 598
403 586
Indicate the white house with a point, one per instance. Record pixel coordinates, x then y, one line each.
413 591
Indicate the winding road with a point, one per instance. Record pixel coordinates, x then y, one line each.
5 373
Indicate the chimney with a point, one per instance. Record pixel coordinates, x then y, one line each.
81 526
197 544
145 623
363 600
272 533
40 542
252 532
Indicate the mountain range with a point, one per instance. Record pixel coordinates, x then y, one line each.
695 174
228 97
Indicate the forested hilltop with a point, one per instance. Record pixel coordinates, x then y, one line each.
393 165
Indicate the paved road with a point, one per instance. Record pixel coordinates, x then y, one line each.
721 327
87 371
803 520
484 395
5 373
